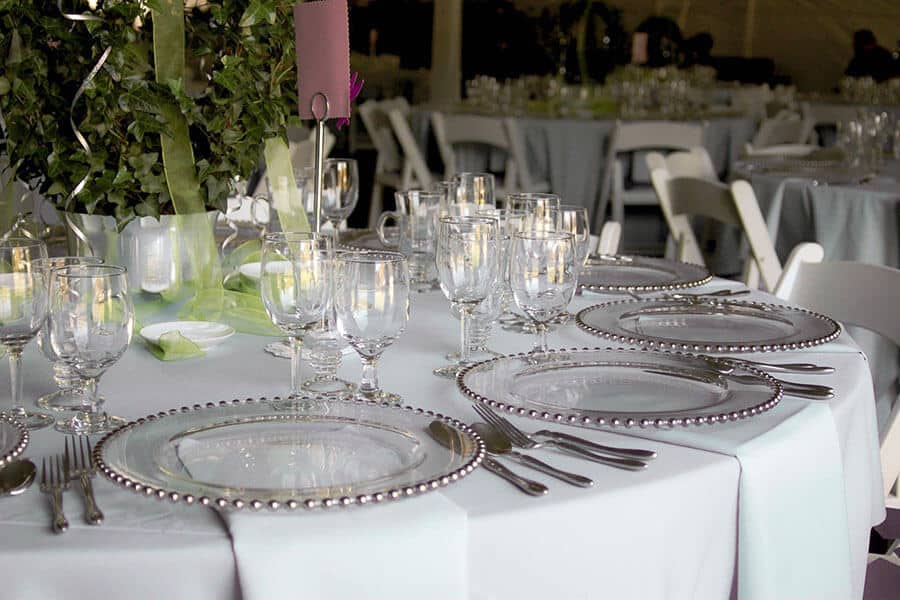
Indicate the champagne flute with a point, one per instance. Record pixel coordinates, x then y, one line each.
91 321
295 287
372 304
543 276
340 190
23 308
467 259
69 387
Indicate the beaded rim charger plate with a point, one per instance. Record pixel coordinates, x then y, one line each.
620 274
708 325
251 453
616 387
13 439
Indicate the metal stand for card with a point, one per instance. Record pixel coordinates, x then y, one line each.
320 159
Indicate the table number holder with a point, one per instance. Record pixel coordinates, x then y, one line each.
322 40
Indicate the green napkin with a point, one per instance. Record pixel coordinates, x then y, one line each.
174 346
243 311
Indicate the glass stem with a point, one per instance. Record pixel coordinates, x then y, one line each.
89 397
15 381
295 366
542 336
368 383
465 312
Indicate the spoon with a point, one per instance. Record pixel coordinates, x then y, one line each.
16 477
497 443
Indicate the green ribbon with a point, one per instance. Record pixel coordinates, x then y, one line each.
284 195
174 346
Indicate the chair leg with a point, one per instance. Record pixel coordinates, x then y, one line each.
376 205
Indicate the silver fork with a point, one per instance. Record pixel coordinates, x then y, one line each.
54 486
521 439
83 470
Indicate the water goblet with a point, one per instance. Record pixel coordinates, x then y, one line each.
91 319
543 276
467 259
23 309
340 190
69 387
295 284
574 219
541 209
372 305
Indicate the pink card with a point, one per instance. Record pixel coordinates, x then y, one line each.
322 35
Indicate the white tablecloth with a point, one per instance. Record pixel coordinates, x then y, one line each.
672 531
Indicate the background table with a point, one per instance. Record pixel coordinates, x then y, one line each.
668 532
570 154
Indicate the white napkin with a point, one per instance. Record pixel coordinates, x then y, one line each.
409 549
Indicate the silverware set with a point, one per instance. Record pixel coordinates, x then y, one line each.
75 465
500 436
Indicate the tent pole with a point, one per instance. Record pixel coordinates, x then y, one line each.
446 51
749 24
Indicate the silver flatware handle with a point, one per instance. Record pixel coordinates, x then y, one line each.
92 513
595 447
629 464
811 392
539 465
532 488
807 368
60 524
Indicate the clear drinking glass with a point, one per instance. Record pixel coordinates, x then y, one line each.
23 308
340 189
91 320
543 276
69 387
423 209
540 210
574 219
295 284
474 188
467 259
372 304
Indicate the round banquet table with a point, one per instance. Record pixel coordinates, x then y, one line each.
776 506
570 153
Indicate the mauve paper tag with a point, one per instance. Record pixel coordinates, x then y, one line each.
322 35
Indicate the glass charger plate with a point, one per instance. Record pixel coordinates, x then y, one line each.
245 453
708 325
618 387
607 274
13 439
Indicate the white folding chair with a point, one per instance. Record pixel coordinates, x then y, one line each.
733 204
453 130
780 150
859 294
693 163
635 137
389 159
783 129
608 243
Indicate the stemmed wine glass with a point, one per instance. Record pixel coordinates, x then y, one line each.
467 259
23 308
372 304
91 320
295 285
69 392
574 219
543 276
340 189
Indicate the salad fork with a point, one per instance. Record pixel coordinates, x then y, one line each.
54 484
83 471
522 440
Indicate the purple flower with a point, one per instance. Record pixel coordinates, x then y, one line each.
356 85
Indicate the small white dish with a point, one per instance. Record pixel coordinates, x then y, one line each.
205 334
252 270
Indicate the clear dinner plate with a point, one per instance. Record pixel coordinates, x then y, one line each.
639 274
618 387
13 439
708 325
246 453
